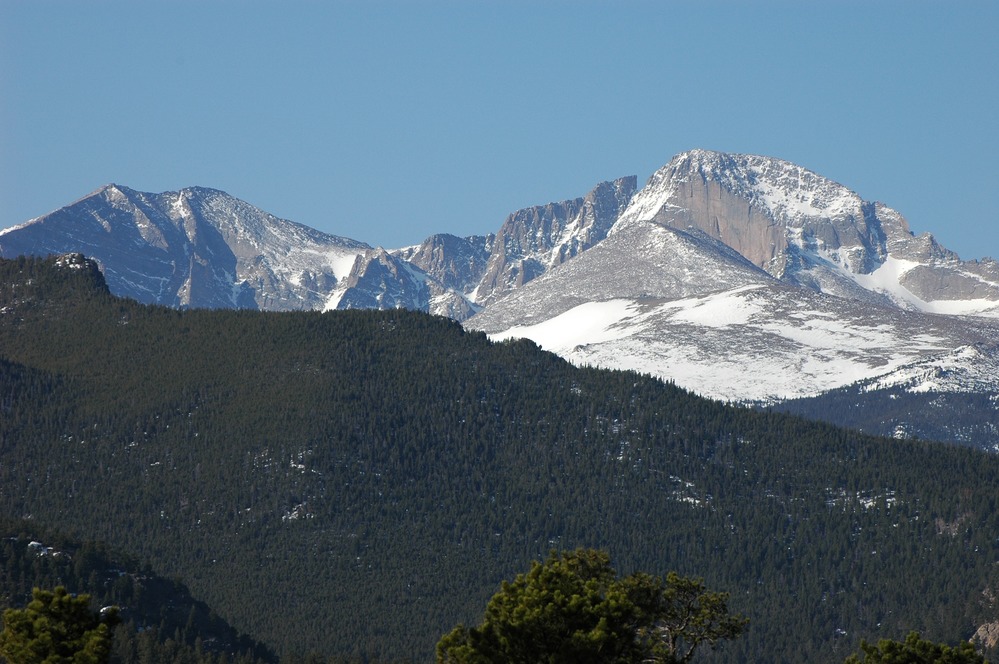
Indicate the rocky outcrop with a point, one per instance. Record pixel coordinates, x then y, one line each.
761 207
454 262
809 231
987 636
381 280
533 240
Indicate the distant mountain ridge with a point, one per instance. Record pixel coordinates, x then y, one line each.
740 277
536 239
196 247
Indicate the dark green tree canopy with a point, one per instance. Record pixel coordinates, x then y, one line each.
916 650
574 608
210 444
57 628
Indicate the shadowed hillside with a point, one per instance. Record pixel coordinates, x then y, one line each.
356 483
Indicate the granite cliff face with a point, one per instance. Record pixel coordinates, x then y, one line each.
810 231
196 247
457 277
536 239
379 280
748 278
456 263
382 280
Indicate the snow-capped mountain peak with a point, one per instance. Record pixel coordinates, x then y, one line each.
810 231
197 247
741 277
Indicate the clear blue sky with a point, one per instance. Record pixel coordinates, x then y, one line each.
386 121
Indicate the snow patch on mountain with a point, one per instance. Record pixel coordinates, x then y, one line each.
888 279
793 192
589 323
747 344
722 310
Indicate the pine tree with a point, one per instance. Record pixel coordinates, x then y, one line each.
573 608
57 628
916 650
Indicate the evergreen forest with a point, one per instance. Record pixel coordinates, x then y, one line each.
354 484
959 418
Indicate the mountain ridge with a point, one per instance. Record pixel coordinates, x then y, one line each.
196 247
705 227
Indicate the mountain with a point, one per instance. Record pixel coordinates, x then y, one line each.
682 306
809 231
536 239
356 483
202 248
192 248
458 277
431 277
456 263
840 291
741 277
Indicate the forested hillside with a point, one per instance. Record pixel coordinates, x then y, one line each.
160 622
357 483
953 417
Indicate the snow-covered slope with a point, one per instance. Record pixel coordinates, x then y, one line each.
644 261
971 368
196 247
765 343
752 279
679 306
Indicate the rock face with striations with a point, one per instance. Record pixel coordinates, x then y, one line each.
749 278
536 239
456 263
810 231
382 280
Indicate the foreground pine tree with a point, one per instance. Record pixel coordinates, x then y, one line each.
916 650
57 628
573 608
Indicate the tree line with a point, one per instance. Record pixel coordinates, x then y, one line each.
373 477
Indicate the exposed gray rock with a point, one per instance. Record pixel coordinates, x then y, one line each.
533 240
751 279
454 262
810 231
381 280
193 248
645 261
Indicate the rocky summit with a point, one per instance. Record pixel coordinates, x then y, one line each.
196 247
807 230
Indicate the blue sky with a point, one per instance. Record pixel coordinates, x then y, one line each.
386 121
